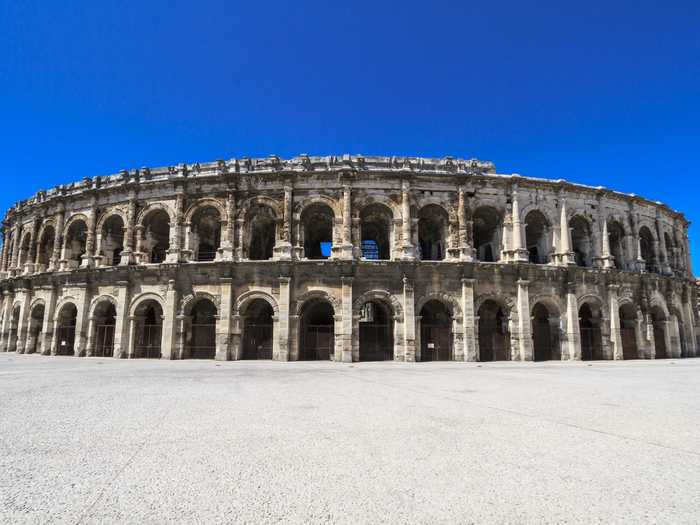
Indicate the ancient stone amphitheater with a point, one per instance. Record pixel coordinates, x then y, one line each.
346 258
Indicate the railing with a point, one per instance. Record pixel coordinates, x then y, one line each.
104 340
148 342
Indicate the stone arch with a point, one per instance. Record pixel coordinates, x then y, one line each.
317 295
379 295
377 232
553 303
582 238
434 231
538 227
206 202
445 298
48 223
100 299
317 228
487 231
247 297
506 302
547 212
384 200
192 299
108 214
73 219
259 200
427 200
142 297
61 303
546 321
152 207
326 200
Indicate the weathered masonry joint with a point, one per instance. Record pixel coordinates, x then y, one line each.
345 258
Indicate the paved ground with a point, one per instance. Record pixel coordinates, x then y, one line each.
98 440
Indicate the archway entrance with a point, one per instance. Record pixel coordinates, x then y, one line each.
36 323
14 329
433 224
658 319
105 319
376 332
375 231
628 332
435 332
317 331
201 343
262 232
494 336
257 331
206 233
545 333
65 330
112 241
155 241
317 231
591 337
148 324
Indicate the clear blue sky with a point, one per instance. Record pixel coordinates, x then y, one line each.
603 93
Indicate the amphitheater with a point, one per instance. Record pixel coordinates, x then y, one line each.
345 258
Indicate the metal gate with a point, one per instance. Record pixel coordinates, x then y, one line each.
376 342
148 341
104 340
66 340
494 345
318 342
629 343
436 343
591 343
257 341
202 344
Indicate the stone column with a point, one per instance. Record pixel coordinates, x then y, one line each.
223 327
607 259
615 323
573 330
408 251
228 229
283 321
170 320
127 256
519 253
663 255
346 248
346 314
3 257
525 344
90 345
131 348
57 241
566 256
409 321
8 300
283 249
466 252
468 318
16 244
174 253
690 329
88 259
121 328
47 329
238 252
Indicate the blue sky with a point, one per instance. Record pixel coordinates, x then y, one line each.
603 93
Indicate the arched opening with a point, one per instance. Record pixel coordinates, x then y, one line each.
262 233
105 320
591 336
435 332
375 229
680 330
670 251
494 335
376 332
46 246
581 241
317 331
65 329
658 320
14 329
317 230
205 233
537 237
433 223
36 324
148 323
646 245
545 333
201 337
112 241
25 251
75 243
628 332
257 330
616 236
487 231
156 236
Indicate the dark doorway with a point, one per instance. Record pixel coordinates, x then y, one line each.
591 337
658 319
202 341
494 336
628 332
436 332
65 331
376 333
317 332
544 335
257 331
105 320
149 330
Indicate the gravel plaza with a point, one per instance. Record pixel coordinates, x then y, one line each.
147 441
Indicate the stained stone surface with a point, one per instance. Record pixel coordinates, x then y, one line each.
145 441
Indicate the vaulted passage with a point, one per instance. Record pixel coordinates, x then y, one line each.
112 241
75 243
581 240
436 332
206 233
545 333
376 332
432 232
317 335
262 232
36 323
537 240
376 225
646 245
658 319
201 336
155 241
45 250
148 323
494 336
628 332
65 330
616 236
257 331
591 338
487 227
105 317
317 231
14 329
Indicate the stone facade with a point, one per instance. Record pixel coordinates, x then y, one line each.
345 258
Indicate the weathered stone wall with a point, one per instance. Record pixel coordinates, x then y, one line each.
453 232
